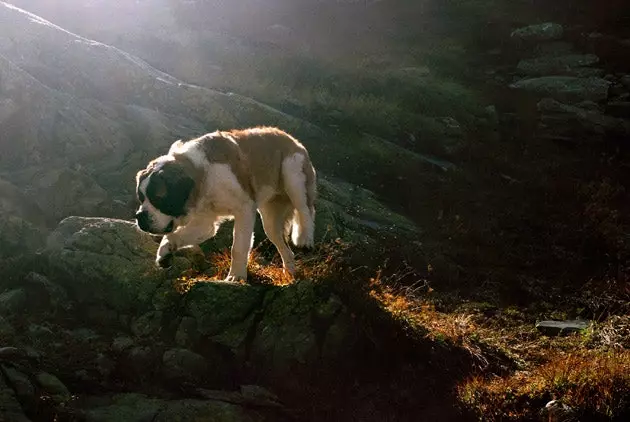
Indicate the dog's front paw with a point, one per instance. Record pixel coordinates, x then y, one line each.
165 261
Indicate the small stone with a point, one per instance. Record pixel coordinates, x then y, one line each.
625 81
555 328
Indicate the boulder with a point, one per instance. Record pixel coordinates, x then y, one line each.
104 263
302 324
10 409
184 365
571 65
564 120
566 88
53 386
540 32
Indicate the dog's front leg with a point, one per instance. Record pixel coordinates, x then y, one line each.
164 258
191 234
242 243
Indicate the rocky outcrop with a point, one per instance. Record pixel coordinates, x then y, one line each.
575 101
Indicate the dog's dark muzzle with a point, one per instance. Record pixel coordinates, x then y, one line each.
144 223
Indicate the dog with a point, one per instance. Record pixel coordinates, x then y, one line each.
186 194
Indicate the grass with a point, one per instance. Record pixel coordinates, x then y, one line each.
595 383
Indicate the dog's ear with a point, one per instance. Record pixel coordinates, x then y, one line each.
170 188
176 146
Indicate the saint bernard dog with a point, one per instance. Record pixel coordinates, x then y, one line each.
187 193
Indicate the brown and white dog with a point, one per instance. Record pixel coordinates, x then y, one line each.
187 193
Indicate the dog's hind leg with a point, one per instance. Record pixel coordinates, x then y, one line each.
299 183
274 214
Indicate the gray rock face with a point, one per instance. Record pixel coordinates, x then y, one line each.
571 65
562 327
566 88
541 32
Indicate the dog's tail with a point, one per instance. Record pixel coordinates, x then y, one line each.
300 181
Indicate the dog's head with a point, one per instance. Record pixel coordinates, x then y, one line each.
163 189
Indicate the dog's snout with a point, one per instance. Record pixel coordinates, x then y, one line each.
142 217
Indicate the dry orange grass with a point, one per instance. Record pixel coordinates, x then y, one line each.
319 264
596 383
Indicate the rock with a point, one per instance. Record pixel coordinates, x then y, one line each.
148 325
553 48
6 329
22 223
121 344
141 360
57 297
352 213
105 262
555 328
40 334
53 386
560 412
202 410
296 324
104 365
625 81
257 392
571 65
182 364
567 120
619 109
13 301
20 382
129 407
64 192
205 302
187 334
541 32
10 409
566 88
